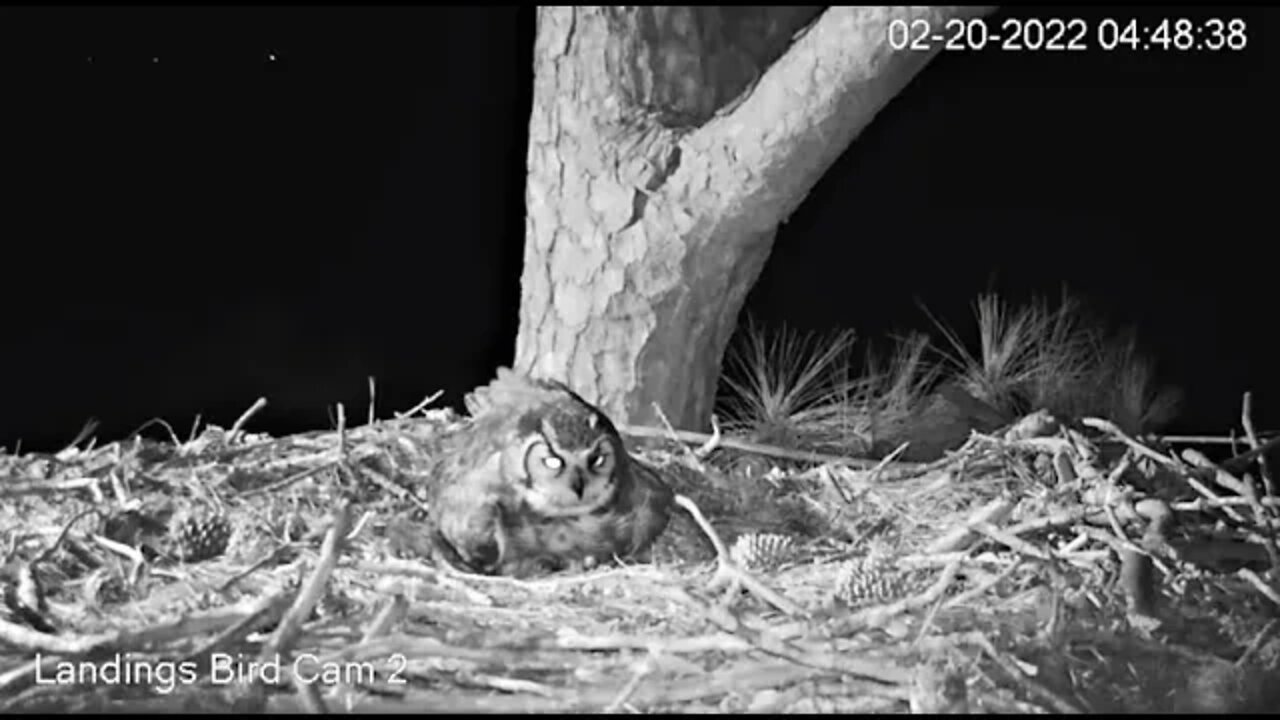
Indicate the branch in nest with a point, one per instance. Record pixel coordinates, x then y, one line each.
420 406
727 571
14 487
1112 429
237 428
703 439
960 537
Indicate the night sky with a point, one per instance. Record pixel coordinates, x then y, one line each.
205 206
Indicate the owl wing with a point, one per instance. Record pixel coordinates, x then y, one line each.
467 518
649 502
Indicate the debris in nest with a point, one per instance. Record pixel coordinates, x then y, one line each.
1020 569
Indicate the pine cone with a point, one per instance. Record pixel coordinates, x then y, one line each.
761 551
203 537
874 580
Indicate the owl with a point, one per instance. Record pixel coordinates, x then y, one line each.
539 481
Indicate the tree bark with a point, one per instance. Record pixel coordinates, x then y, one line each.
666 144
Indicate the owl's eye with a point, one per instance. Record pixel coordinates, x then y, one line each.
599 460
553 462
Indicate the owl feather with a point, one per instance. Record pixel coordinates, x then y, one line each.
491 514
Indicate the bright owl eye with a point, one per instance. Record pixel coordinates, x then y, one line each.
553 462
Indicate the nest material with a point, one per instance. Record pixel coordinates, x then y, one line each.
982 582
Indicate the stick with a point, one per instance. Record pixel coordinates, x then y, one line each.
342 432
420 406
44 555
195 428
1246 419
1260 584
1109 427
14 487
1030 685
373 399
1243 458
697 438
728 572
238 427
1201 439
713 442
173 437
90 425
282 640
964 533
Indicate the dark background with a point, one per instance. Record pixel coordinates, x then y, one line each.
182 236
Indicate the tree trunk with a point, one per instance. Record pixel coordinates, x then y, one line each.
666 144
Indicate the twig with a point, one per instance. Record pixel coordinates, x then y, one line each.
173 437
1262 585
960 537
187 626
1215 499
1014 543
1109 427
14 487
1245 489
1244 458
281 641
373 399
308 695
263 611
712 442
1221 477
195 428
640 671
1200 504
89 426
388 617
420 406
697 438
62 536
1029 684
281 484
727 571
342 433
1256 644
1246 420
238 426
811 657
888 460
1200 439
671 434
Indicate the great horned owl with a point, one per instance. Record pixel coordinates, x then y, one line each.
539 481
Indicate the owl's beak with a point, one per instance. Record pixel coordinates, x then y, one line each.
579 483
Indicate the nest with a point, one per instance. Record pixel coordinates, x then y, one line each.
1048 567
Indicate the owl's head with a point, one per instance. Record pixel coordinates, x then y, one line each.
570 457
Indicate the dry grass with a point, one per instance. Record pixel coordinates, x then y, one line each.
906 582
